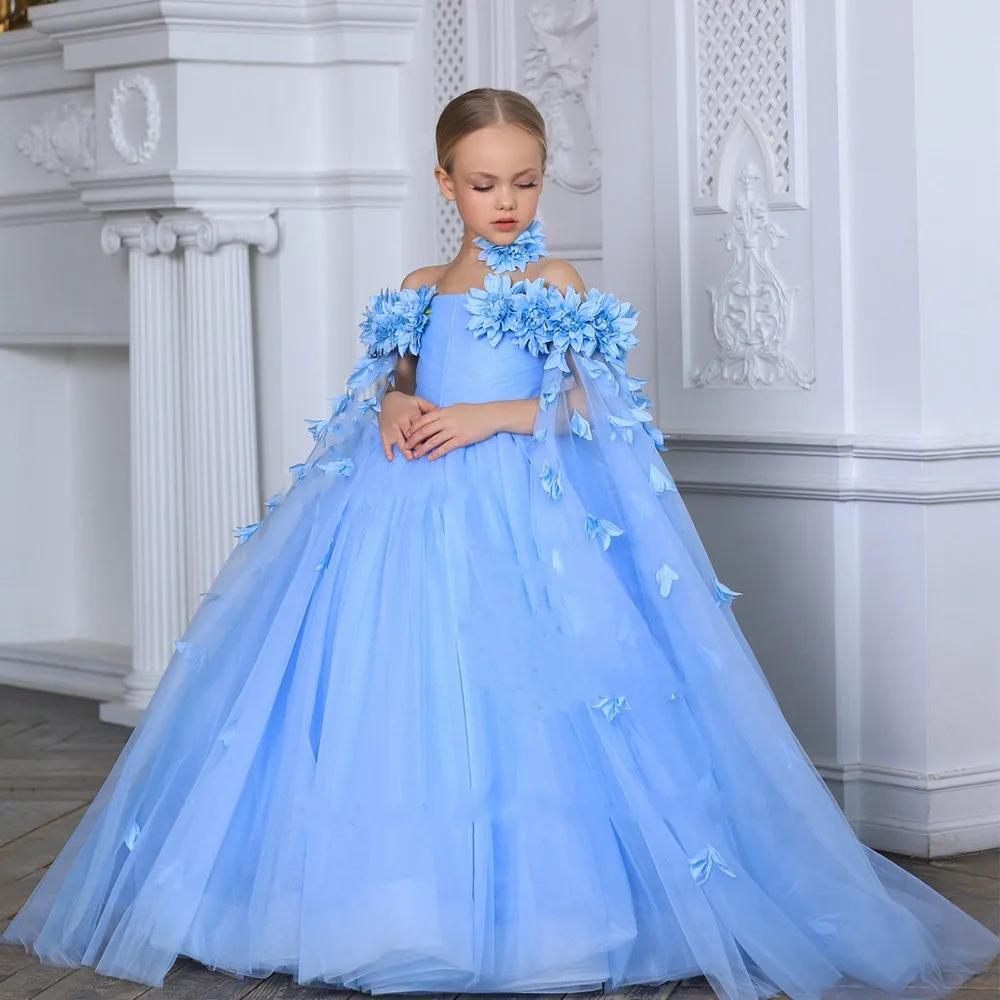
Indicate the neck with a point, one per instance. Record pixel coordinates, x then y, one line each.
468 252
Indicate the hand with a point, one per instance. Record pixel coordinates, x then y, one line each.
449 427
396 419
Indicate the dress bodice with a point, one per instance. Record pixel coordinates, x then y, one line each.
455 366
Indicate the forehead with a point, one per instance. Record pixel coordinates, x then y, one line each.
498 150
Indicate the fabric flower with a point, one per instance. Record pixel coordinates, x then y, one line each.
273 501
515 256
532 307
567 328
612 707
622 427
320 429
247 531
602 531
659 481
612 323
723 595
580 426
665 578
494 313
702 865
394 320
336 466
551 481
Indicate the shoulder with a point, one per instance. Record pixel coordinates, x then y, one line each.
562 274
423 276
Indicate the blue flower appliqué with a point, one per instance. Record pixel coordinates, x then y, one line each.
395 320
612 707
493 309
703 864
517 255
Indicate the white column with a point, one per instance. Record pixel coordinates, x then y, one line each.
159 588
220 431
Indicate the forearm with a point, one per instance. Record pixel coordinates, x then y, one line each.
405 379
515 416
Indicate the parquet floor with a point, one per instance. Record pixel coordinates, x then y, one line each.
54 755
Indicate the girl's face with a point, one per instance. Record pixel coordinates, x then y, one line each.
495 179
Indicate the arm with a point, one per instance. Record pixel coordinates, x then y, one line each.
401 406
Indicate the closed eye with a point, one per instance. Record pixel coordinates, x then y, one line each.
488 187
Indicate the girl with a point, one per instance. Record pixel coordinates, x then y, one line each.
468 709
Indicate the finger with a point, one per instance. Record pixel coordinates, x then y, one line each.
433 442
425 404
444 449
387 447
419 434
423 421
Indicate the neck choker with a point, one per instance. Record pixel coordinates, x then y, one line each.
528 247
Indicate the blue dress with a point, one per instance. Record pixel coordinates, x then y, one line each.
485 723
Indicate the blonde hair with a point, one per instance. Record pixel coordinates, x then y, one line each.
475 109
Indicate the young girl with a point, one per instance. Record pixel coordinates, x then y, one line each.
468 709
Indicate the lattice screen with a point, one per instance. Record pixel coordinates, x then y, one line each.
449 82
743 58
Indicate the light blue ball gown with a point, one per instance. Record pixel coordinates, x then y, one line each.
485 723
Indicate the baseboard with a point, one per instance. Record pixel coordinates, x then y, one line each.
920 815
79 667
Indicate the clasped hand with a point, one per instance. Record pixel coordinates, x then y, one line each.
420 428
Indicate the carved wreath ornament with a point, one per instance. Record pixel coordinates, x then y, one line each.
136 83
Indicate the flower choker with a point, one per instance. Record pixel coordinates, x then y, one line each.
528 247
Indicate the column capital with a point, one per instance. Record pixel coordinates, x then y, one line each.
208 232
131 231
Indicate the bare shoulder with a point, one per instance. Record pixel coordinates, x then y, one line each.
423 276
562 274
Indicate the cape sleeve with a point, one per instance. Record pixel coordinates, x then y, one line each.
597 470
393 325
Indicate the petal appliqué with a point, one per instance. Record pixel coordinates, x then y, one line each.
579 425
551 481
703 864
612 707
601 530
665 579
659 481
723 595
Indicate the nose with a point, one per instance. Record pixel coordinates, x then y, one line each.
505 198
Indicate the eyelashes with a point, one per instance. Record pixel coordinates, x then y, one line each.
489 187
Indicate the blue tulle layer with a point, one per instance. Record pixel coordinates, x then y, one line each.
484 724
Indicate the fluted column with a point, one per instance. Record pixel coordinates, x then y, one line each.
220 432
159 588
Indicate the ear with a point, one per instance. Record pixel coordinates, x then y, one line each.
445 182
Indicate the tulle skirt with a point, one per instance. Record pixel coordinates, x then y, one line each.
484 724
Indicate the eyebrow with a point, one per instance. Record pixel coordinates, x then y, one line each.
490 177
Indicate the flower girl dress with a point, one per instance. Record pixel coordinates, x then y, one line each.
485 723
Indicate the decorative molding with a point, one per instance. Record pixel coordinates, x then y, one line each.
557 76
327 32
64 140
207 233
18 209
748 65
138 231
838 468
141 84
751 309
273 189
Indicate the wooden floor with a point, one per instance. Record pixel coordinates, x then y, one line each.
54 755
